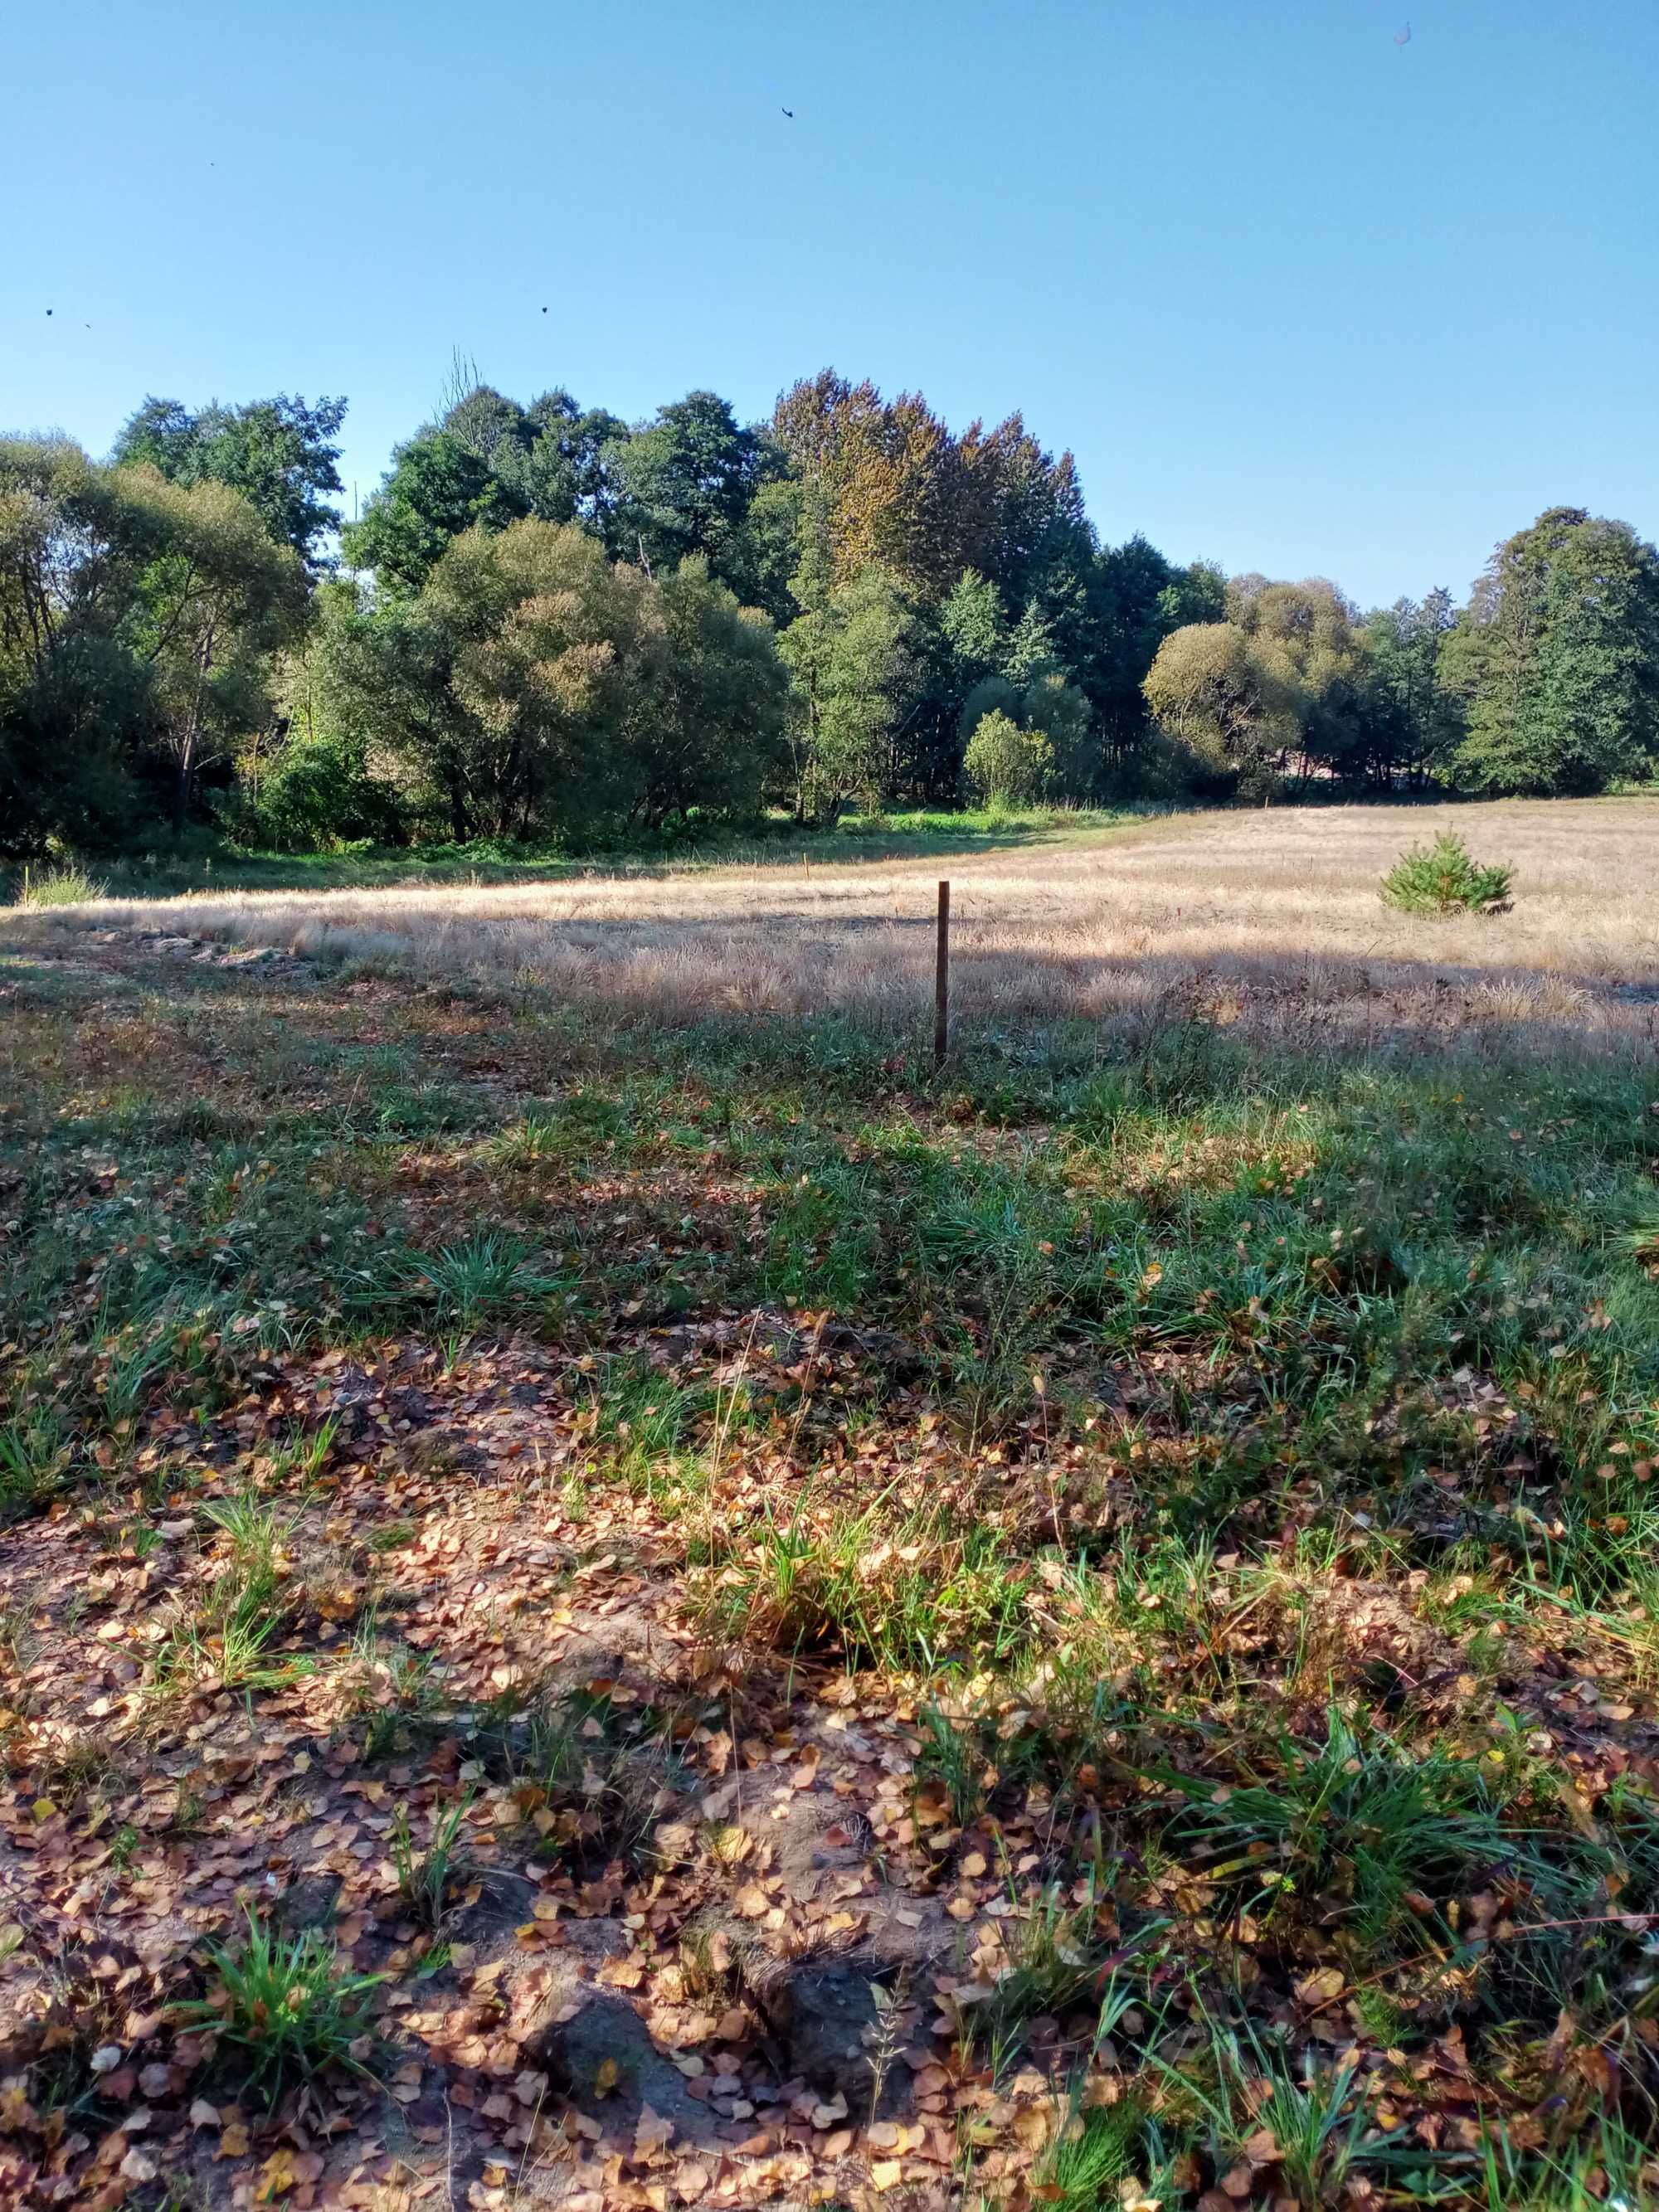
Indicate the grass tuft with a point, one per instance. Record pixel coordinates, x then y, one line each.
282 2006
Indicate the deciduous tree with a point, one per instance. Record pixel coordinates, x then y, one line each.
217 595
280 453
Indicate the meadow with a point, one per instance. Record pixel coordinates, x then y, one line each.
612 1595
1269 918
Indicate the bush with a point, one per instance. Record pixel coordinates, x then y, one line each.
1438 879
60 886
317 797
1006 766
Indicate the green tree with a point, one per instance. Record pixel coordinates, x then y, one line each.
534 686
1409 721
217 596
305 783
707 732
1306 633
1224 703
74 700
903 495
491 426
1137 598
765 552
1556 659
685 482
436 487
855 653
280 453
1005 765
568 474
975 626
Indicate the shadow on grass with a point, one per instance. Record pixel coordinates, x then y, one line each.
489 862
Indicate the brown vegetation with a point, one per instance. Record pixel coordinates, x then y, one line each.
1271 920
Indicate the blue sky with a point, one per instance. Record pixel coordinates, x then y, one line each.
1299 297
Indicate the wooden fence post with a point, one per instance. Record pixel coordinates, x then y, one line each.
942 981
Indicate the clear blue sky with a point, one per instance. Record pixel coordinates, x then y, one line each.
1299 296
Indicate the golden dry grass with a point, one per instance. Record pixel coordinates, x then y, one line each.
1272 920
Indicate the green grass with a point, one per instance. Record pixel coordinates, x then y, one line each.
202 862
1220 1489
920 1593
280 2007
1395 1831
427 1877
38 887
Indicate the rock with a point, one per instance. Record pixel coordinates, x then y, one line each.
308 1903
604 2060
828 2017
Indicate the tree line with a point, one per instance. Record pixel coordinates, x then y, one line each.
549 624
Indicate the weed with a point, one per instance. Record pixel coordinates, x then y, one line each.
392 1538
884 2038
392 1685
248 1604
593 1777
282 2004
1055 1961
1097 2149
488 1275
1314 2117
62 885
1354 1826
953 1759
918 1592
425 1878
33 1462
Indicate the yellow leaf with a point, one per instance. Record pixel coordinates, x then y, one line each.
276 2177
1031 2126
607 2076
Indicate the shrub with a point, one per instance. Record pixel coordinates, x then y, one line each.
317 798
1007 766
1438 879
60 886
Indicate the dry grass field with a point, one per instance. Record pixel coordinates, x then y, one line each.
614 1612
1272 920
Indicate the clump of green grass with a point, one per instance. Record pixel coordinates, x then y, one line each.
592 1775
1357 1826
1246 2088
425 1878
282 2004
65 884
1056 1964
916 1592
1445 878
650 1421
248 1605
952 1760
32 1463
481 1278
1097 2150
391 1686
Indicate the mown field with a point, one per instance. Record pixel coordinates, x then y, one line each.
611 1597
